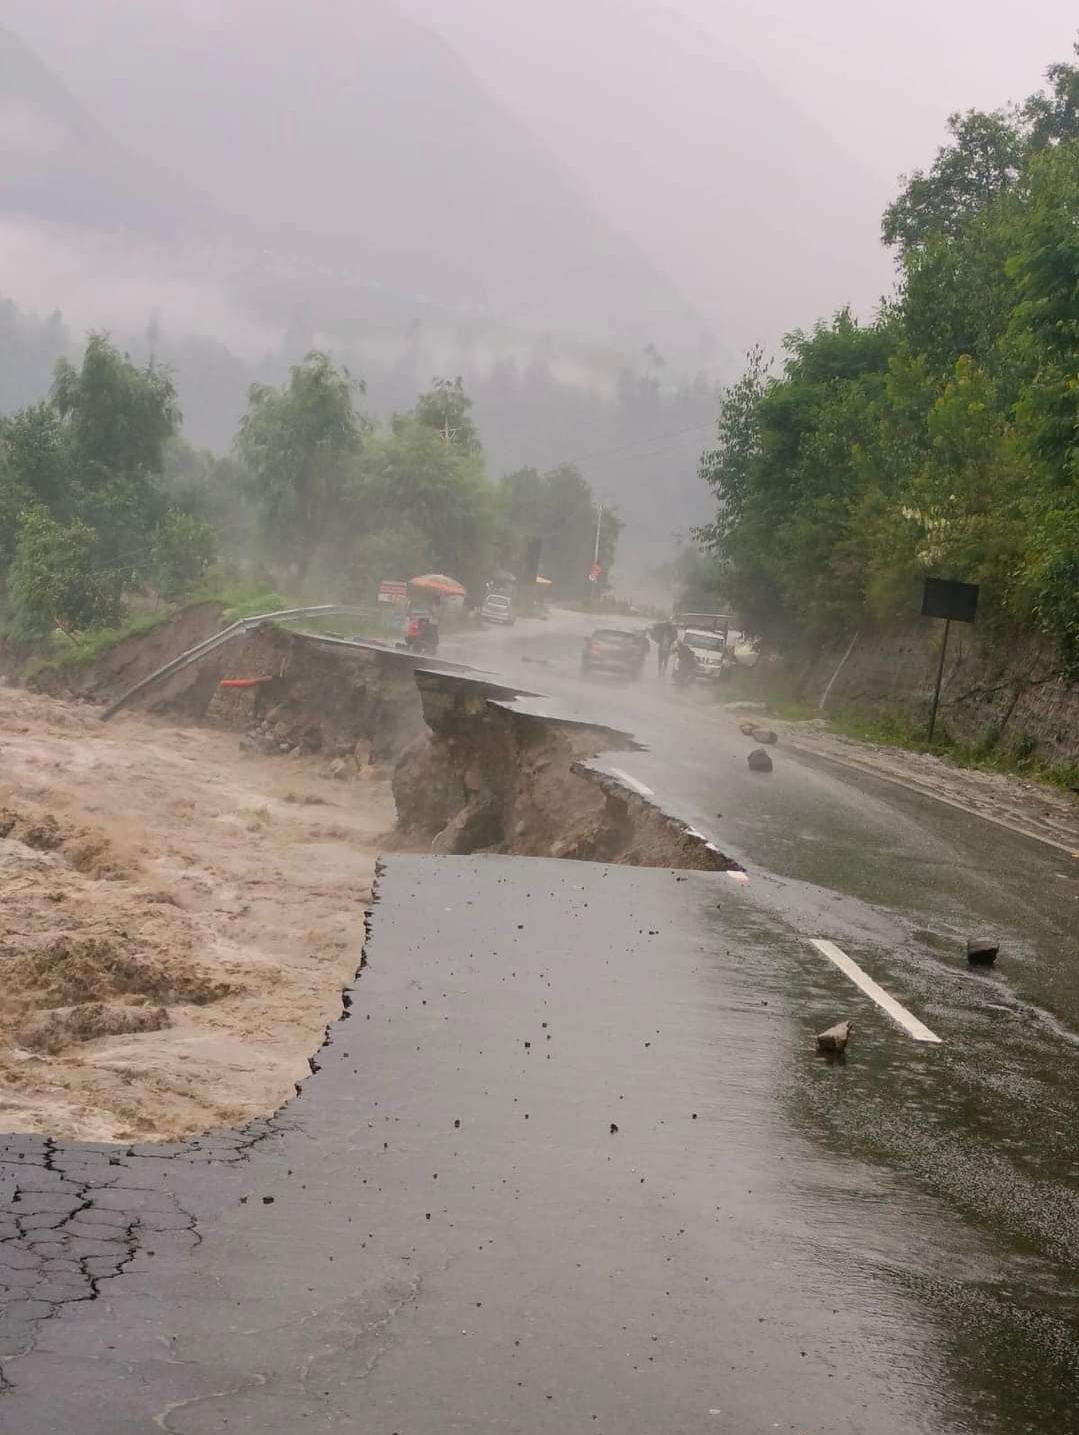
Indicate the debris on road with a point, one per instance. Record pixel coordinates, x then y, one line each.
765 735
834 1040
759 761
982 951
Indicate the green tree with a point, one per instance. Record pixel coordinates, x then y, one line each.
120 417
1045 266
944 437
1053 118
299 444
560 510
980 164
447 409
398 552
412 475
38 450
54 578
182 548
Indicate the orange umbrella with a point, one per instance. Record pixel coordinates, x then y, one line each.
438 583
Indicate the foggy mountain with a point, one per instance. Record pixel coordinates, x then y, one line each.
59 165
341 137
226 186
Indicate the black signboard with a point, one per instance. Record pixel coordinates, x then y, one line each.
945 598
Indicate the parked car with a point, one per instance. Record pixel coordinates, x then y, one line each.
497 608
618 651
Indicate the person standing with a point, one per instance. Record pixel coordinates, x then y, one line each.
664 634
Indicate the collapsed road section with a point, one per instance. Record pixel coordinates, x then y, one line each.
489 775
180 920
475 769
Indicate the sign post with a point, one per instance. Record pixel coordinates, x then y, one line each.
954 602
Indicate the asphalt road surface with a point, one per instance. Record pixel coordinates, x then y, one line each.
573 1164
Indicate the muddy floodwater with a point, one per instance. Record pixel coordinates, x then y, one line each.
179 920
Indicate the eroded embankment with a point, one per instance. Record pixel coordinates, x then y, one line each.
182 902
492 778
474 773
108 673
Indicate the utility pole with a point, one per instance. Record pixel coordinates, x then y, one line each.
599 521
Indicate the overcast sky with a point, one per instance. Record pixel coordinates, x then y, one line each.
748 146
852 94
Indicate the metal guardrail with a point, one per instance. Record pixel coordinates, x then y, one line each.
218 640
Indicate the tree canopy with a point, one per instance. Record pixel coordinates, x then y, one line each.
103 505
943 437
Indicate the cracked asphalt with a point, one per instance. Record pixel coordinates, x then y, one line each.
570 1160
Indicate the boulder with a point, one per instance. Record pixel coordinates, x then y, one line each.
835 1039
478 824
759 761
764 734
338 768
982 951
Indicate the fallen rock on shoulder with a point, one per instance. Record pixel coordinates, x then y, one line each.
835 1039
982 951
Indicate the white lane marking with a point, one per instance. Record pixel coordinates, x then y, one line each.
738 876
631 782
910 1023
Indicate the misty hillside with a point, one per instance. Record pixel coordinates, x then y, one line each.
59 164
228 187
348 139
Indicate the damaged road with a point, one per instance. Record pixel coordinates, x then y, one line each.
540 1179
489 777
570 1157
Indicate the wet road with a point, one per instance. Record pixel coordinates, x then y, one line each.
985 1124
560 1170
766 1242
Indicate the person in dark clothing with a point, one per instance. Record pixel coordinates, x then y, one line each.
664 635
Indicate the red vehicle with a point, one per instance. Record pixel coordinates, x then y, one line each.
421 635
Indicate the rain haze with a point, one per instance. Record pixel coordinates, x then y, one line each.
579 207
539 717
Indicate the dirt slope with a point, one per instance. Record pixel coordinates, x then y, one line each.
178 919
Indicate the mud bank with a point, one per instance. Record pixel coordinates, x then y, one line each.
103 677
320 696
491 778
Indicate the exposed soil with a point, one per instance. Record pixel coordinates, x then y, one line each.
487 777
179 919
133 658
